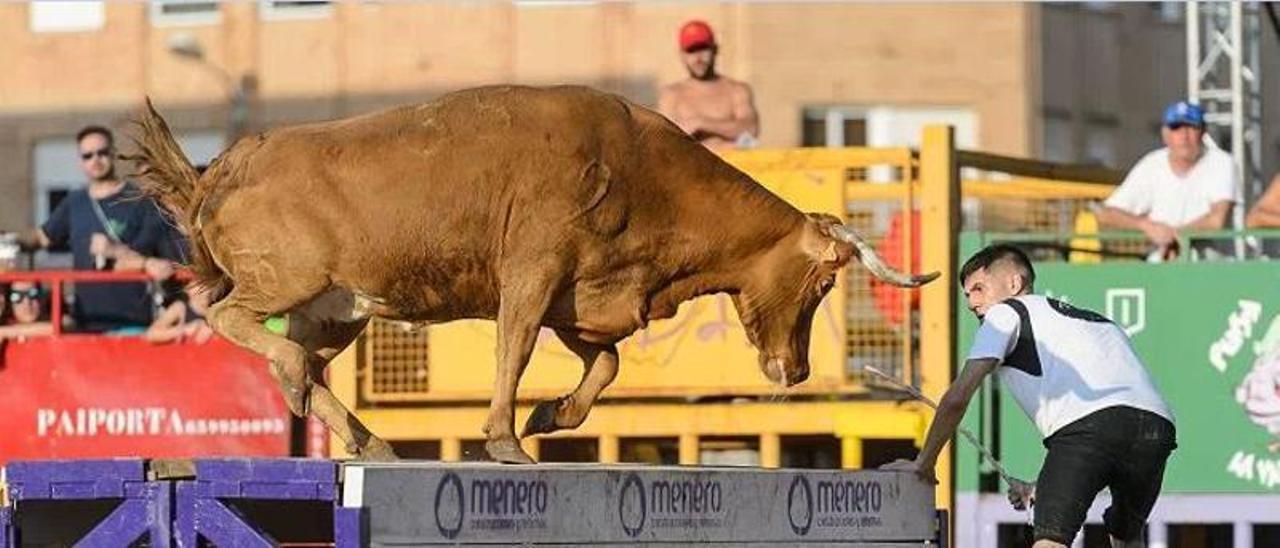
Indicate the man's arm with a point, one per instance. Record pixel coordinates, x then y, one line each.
1262 217
33 239
1215 219
745 119
1157 232
1266 213
668 99
1115 217
158 268
950 410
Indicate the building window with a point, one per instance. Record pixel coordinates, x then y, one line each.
294 9
72 16
834 127
57 172
1058 142
1101 144
185 12
1170 12
883 126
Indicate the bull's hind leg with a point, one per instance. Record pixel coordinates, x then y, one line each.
242 324
601 367
324 328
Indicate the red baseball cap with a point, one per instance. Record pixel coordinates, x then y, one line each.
695 35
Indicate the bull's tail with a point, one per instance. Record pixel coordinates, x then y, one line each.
165 174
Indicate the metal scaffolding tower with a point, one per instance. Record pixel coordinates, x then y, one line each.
1223 75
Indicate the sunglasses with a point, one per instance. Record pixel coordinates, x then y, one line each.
18 295
1179 126
103 152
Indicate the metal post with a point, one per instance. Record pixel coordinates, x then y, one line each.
1242 534
451 449
1193 51
770 450
1157 534
1222 76
609 449
1238 145
851 453
689 449
940 214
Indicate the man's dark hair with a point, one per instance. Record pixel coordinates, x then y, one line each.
996 253
90 130
6 310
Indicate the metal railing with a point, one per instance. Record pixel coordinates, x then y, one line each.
54 280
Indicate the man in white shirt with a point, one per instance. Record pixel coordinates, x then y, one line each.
1075 374
1184 185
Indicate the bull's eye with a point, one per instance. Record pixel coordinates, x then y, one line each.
825 285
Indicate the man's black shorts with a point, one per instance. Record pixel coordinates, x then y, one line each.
1118 447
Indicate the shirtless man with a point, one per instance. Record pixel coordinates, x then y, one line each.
716 110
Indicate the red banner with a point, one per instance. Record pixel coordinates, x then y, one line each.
88 396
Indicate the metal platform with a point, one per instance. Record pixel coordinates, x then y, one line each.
267 502
434 504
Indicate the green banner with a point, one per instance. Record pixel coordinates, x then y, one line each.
1210 335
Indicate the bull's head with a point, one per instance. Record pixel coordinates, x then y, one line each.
784 289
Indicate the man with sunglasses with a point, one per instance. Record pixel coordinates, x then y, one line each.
110 213
1183 186
716 110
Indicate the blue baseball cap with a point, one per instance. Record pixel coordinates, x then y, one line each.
1183 113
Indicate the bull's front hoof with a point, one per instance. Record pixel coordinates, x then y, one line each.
375 450
543 418
507 452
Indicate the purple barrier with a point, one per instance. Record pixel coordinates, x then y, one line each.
207 506
145 509
6 528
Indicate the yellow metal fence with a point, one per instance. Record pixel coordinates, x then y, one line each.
872 189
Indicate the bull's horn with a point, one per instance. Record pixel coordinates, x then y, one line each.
872 261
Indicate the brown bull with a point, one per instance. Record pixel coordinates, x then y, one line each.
561 207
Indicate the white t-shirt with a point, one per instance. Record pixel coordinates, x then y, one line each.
1062 363
1152 189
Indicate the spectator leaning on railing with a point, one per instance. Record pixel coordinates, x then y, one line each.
1266 212
24 312
109 225
1183 186
183 319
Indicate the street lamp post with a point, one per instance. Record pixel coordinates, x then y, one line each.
188 47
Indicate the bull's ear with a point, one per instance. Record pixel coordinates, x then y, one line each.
824 218
830 254
835 254
829 250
